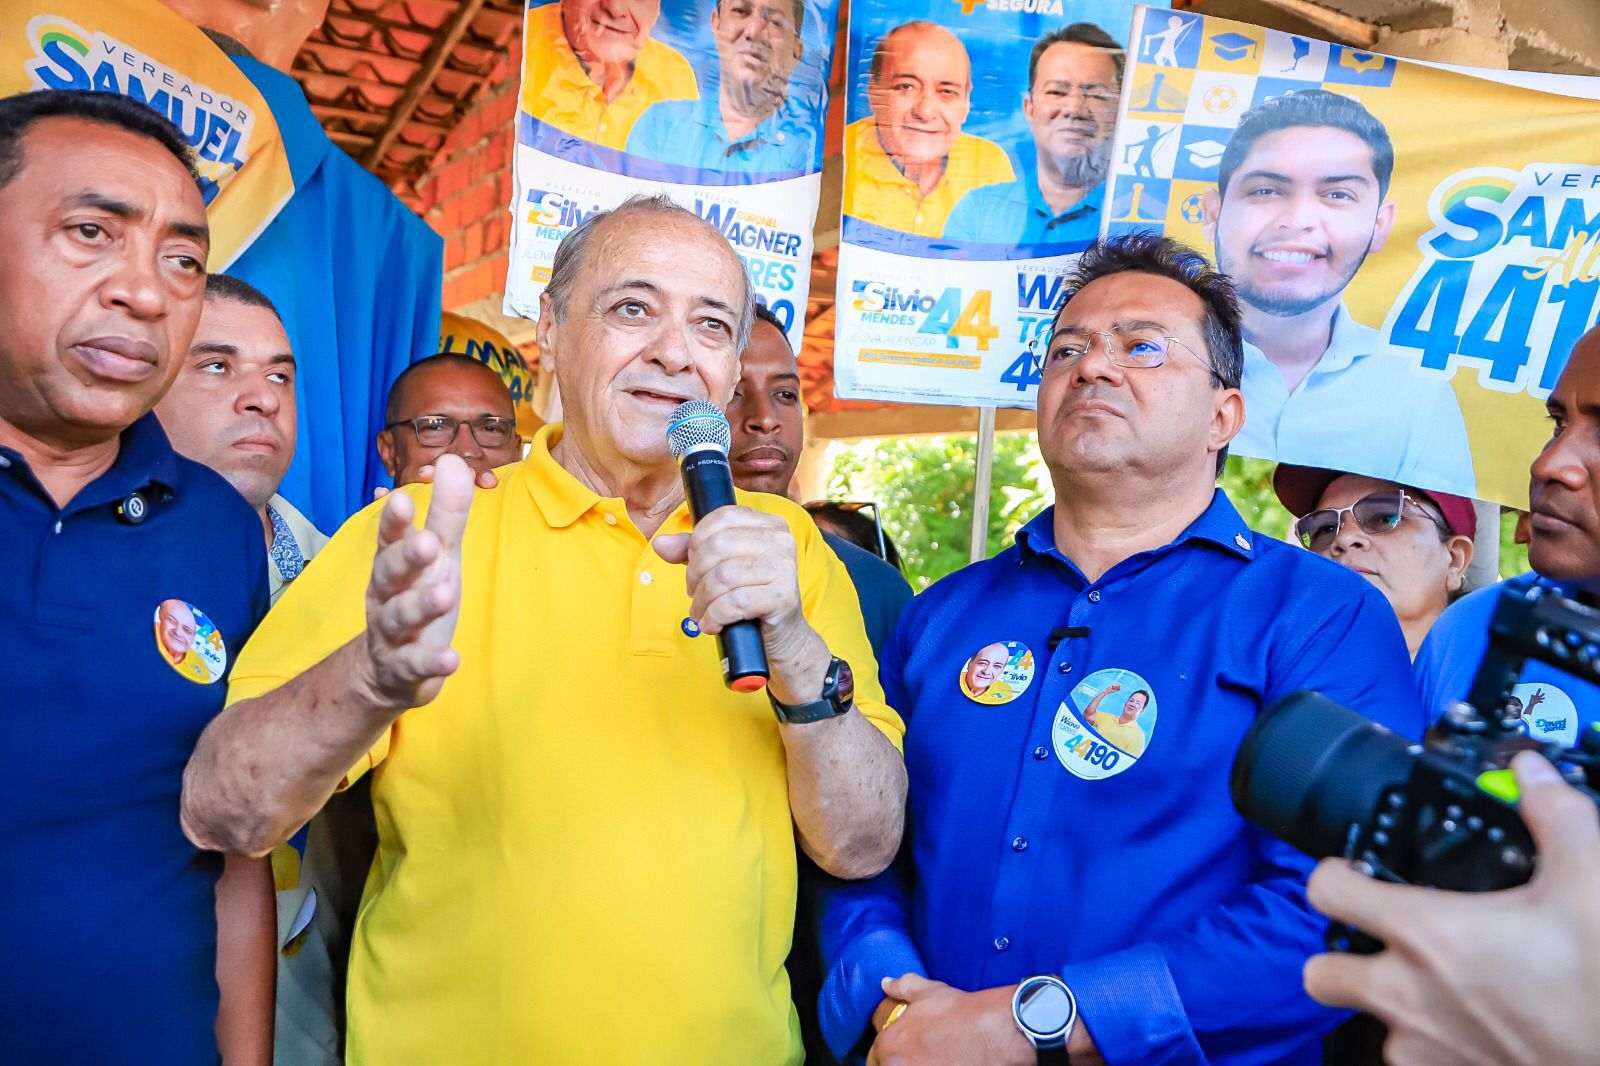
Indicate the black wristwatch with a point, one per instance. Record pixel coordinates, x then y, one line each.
838 696
1045 1009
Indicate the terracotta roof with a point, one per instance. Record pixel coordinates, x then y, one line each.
389 79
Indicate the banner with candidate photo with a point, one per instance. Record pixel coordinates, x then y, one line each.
978 141
1411 284
718 103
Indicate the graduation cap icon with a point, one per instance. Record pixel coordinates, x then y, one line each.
1233 47
1207 153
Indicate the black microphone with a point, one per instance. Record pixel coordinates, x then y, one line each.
700 437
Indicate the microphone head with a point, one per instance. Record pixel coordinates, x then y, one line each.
695 423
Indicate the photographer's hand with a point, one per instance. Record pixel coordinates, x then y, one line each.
1493 978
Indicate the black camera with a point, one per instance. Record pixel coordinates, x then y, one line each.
1443 813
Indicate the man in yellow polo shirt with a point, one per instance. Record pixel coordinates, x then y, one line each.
586 840
591 68
1120 728
908 165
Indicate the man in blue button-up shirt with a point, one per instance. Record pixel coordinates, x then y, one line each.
754 123
1074 75
1046 838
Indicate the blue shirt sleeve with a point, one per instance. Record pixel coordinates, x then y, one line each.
864 932
650 135
1161 1001
1449 658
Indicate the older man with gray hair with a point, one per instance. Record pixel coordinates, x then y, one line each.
586 840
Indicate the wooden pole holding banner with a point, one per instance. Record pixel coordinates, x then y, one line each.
980 485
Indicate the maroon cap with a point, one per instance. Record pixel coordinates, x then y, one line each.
1300 487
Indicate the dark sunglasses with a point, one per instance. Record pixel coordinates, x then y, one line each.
1376 514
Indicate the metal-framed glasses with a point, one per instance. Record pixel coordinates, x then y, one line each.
1377 514
439 431
1133 350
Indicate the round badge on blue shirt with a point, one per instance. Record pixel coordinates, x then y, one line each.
190 642
997 673
1548 714
1104 726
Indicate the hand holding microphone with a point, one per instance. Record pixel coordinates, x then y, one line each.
742 573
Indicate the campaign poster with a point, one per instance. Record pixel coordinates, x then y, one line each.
143 50
1415 247
718 103
977 145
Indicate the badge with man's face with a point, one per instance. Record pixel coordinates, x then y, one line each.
190 642
997 673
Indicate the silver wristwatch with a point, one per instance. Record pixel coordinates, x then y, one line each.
1045 1009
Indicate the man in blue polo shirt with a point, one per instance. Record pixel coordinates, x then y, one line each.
134 578
754 123
1564 551
1047 856
1074 76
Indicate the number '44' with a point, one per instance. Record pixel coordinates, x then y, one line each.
970 321
1023 371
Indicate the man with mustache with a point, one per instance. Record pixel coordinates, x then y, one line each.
1141 574
1301 201
591 67
232 408
768 434
124 941
756 123
605 840
910 163
1563 549
1074 77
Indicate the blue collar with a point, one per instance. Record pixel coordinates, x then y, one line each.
1090 203
1219 525
144 459
783 121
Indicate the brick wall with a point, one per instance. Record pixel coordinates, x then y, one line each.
467 192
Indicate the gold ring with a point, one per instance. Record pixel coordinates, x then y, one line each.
899 1009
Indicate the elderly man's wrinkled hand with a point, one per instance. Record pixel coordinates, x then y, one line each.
742 566
1480 978
415 592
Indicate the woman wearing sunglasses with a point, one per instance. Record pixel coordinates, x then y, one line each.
1415 546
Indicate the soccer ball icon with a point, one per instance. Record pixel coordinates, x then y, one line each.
1219 99
1191 211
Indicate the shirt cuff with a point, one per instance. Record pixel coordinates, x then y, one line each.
1131 1007
854 985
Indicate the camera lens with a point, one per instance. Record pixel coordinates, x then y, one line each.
1309 769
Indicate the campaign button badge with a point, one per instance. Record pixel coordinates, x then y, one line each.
997 673
1105 724
189 641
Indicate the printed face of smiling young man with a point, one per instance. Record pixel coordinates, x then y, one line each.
1298 218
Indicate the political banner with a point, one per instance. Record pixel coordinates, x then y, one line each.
460 335
142 49
977 143
718 103
1411 285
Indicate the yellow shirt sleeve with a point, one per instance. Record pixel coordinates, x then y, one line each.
829 600
321 611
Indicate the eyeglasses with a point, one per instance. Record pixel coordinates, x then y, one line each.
439 431
1376 514
1134 351
772 19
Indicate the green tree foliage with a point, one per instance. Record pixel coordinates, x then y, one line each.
925 487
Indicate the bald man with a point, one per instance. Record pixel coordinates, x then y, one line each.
448 403
909 161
